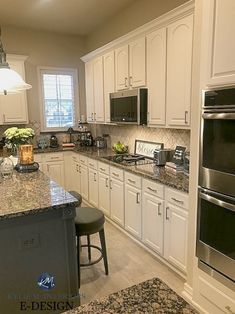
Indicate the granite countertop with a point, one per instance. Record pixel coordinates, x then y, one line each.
30 193
151 296
177 180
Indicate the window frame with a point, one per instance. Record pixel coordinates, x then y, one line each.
57 71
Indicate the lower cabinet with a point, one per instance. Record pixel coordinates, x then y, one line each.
76 176
55 170
104 193
117 201
133 210
84 182
153 222
93 187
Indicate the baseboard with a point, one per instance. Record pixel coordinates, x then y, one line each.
187 294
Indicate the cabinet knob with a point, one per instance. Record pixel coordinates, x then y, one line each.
159 209
167 217
126 82
137 198
186 117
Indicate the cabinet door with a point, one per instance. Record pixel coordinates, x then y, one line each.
98 80
121 67
104 193
117 201
156 77
179 61
13 107
133 210
153 220
137 63
84 182
89 91
219 41
93 187
175 235
109 87
55 170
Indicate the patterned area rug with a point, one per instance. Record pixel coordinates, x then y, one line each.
151 296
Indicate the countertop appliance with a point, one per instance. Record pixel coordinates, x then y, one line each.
85 138
161 156
100 142
54 142
129 107
216 193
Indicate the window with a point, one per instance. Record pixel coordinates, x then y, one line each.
59 99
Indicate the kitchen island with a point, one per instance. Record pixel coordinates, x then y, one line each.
38 262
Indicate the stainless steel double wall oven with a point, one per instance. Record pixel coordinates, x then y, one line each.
216 193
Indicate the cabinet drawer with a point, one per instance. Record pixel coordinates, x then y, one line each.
38 158
75 157
54 157
116 173
103 167
178 198
153 188
216 297
92 163
83 159
133 180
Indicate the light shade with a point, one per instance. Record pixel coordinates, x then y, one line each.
11 82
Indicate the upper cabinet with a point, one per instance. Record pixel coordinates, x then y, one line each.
13 107
179 64
109 81
156 77
95 90
219 42
130 65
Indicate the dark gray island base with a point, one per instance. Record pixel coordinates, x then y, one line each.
37 237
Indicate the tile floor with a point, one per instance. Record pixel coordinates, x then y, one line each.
129 264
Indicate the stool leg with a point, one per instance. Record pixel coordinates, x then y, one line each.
89 248
104 252
78 260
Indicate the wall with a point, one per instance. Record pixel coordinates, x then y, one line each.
135 15
44 49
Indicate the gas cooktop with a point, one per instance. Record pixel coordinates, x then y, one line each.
129 159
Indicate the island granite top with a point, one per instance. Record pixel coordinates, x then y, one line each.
31 193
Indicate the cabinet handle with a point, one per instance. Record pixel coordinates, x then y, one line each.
115 174
229 309
83 161
152 190
95 176
185 117
79 169
107 182
125 81
132 181
110 184
137 198
94 116
54 158
91 165
167 217
102 169
159 209
130 80
177 201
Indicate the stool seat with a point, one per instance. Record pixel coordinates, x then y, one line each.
77 196
88 220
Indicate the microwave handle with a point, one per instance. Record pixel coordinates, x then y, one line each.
219 116
217 201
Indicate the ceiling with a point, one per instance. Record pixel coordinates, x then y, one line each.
79 17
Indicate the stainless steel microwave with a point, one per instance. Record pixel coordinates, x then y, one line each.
129 107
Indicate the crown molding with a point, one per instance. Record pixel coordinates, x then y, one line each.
16 57
162 21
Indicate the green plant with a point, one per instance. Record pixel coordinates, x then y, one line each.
16 136
120 148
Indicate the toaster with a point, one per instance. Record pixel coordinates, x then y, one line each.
161 156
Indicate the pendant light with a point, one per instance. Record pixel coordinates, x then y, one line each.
10 81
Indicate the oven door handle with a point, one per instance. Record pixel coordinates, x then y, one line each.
219 116
217 201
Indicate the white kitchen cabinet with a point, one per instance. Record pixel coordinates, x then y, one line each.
153 222
175 236
94 90
156 77
117 201
130 65
13 107
179 64
89 91
122 67
55 170
104 193
84 188
93 187
137 62
109 81
133 210
219 42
